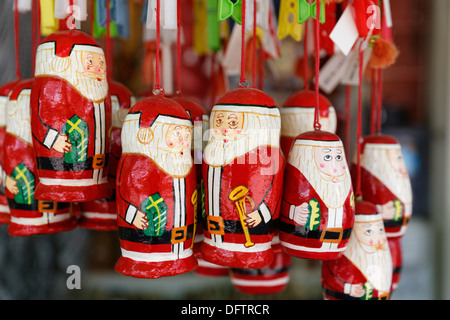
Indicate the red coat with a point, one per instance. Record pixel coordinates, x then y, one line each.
339 272
54 101
224 235
138 178
298 190
30 216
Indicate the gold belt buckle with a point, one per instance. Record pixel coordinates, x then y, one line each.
99 161
179 234
323 239
384 296
47 206
215 225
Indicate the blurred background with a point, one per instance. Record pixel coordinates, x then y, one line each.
416 100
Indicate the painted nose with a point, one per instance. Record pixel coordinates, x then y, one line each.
97 69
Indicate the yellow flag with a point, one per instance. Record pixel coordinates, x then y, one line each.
49 23
288 20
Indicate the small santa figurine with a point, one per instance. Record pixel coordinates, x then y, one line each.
28 215
5 90
364 271
317 207
297 116
102 214
71 118
156 182
242 175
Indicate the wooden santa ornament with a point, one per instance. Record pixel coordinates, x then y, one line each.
270 279
28 215
156 182
242 176
317 210
297 116
102 214
364 271
71 118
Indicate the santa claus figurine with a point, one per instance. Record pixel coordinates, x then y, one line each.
297 116
364 271
156 182
317 208
71 118
5 90
28 215
102 214
242 176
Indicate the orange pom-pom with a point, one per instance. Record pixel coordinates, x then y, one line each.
384 54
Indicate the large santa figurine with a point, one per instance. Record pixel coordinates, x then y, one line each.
242 175
317 208
71 118
28 215
297 116
385 182
364 271
156 182
102 214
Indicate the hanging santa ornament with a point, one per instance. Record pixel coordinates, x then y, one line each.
71 118
270 279
102 214
242 176
364 271
156 183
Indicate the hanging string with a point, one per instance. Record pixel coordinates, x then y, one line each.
16 39
34 39
305 56
373 101
359 123
348 118
254 45
317 125
179 47
380 100
243 82
213 79
157 88
109 45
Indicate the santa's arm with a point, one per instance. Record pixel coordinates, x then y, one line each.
125 208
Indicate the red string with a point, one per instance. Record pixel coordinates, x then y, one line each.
373 101
380 100
305 57
213 78
317 125
16 39
359 123
254 45
33 35
348 117
158 89
179 47
91 20
243 81
109 54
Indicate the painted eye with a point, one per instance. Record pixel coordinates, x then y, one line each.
101 63
219 122
327 157
338 158
90 62
368 232
233 123
176 133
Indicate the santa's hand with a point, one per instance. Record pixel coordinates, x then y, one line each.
253 219
62 144
301 214
140 220
357 290
11 185
387 210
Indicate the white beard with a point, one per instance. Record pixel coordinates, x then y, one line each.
19 116
333 194
92 89
218 153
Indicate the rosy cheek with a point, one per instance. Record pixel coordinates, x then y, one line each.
322 165
170 144
238 131
343 167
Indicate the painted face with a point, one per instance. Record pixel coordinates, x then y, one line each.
179 137
94 64
228 125
396 159
371 233
330 161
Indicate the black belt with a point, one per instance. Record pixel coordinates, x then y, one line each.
327 235
42 206
168 237
235 227
59 164
260 271
343 296
394 224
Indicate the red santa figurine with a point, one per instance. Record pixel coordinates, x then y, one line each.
317 208
71 118
385 182
102 214
28 215
297 116
242 176
156 182
5 90
364 271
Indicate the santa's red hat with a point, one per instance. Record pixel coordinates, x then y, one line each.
247 97
67 39
194 109
366 211
307 99
318 135
377 139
